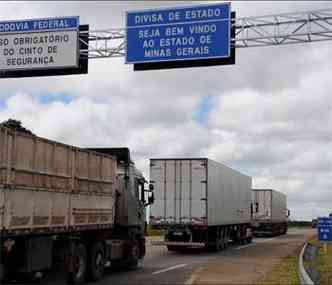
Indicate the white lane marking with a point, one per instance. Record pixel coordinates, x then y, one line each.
265 240
194 276
244 246
169 268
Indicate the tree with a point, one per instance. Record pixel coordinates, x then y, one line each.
16 126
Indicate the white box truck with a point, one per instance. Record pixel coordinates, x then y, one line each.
60 203
200 203
270 214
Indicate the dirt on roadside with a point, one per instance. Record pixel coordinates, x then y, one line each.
249 265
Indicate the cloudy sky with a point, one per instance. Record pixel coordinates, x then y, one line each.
270 115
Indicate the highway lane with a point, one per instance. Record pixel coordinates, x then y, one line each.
163 267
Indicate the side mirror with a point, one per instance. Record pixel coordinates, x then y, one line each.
256 208
151 199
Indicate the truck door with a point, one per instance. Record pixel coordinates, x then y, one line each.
180 191
157 177
198 178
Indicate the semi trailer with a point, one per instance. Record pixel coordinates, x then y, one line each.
84 208
200 203
270 213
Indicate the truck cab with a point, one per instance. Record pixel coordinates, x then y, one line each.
132 198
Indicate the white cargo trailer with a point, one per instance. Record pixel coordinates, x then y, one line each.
270 212
200 202
59 202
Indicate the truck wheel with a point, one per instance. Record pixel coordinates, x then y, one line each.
285 229
79 265
226 238
219 244
172 248
2 273
96 261
133 256
215 246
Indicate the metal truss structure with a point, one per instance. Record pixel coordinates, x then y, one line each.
291 28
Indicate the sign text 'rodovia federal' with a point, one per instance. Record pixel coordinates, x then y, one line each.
39 44
199 32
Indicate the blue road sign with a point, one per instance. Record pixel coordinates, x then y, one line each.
186 33
324 229
38 25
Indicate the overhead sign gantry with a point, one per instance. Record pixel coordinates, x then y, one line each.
194 36
258 31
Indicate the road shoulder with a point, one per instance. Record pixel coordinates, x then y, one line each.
252 264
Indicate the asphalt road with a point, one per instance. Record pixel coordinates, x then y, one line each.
194 267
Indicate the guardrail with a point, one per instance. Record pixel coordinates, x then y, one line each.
305 279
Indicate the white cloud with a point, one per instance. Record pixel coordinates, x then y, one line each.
271 113
282 138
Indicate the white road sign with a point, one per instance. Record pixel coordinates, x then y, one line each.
39 44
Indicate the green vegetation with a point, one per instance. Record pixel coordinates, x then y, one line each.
324 264
15 125
285 273
153 232
297 224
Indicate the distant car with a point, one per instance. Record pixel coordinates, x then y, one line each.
314 223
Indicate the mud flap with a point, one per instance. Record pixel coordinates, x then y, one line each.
142 248
249 233
69 261
2 272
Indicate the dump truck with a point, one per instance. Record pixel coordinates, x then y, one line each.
270 213
84 208
199 203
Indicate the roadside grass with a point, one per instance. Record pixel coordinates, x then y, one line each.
285 273
153 232
324 263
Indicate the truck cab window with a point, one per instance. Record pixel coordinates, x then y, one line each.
139 190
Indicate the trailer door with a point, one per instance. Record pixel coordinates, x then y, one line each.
198 192
262 203
180 191
158 178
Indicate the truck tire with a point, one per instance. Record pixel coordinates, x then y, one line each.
226 239
172 248
216 245
96 261
220 244
2 273
285 228
78 271
133 256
